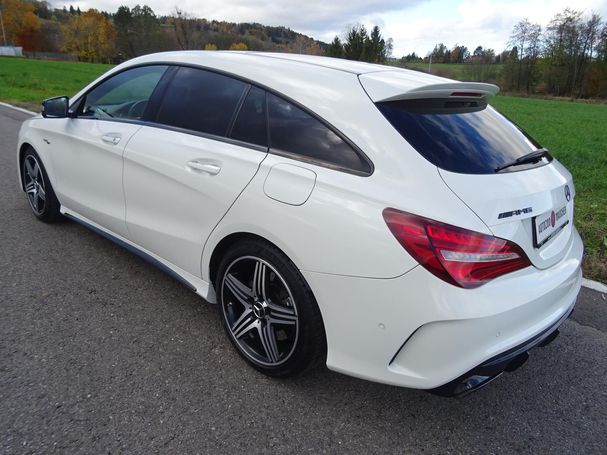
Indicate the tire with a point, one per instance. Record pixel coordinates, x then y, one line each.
38 188
275 324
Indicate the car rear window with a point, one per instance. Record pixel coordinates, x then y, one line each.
467 137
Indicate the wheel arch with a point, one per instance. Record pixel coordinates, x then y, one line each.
233 238
22 148
226 243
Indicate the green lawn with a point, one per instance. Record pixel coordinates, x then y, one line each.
451 70
575 133
26 82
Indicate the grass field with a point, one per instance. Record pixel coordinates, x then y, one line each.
452 70
25 82
575 133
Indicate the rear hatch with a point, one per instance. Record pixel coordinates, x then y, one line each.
475 150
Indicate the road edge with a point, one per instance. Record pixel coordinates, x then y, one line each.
594 285
20 109
590 284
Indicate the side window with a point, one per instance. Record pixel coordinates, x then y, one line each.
200 100
251 123
124 95
295 131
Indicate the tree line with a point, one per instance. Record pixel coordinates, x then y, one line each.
101 36
567 57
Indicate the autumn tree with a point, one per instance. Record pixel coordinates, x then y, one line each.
90 36
459 54
21 25
239 47
303 45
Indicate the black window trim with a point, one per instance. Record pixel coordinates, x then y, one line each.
251 83
236 112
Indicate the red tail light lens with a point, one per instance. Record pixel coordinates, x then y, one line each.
458 256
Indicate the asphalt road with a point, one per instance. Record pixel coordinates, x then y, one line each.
100 352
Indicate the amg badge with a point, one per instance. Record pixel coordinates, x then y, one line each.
514 213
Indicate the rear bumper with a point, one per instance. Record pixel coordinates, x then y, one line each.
505 362
417 331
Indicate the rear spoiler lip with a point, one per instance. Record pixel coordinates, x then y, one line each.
474 90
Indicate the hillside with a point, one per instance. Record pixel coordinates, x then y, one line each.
103 36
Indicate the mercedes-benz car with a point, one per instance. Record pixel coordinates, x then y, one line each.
387 223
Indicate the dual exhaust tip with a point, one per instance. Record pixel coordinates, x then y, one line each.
482 375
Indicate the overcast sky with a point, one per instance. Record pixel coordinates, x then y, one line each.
414 25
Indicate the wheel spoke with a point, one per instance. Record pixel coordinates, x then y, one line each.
281 314
36 171
36 202
268 341
30 187
238 290
259 281
245 323
29 169
41 193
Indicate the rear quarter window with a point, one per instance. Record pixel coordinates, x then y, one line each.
296 132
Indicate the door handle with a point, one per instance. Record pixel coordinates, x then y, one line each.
209 168
112 139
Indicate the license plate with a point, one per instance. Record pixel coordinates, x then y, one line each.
548 224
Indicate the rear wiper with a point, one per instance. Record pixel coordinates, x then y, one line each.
532 157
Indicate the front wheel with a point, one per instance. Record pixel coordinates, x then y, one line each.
268 310
40 194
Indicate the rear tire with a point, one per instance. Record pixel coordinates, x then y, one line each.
268 310
38 188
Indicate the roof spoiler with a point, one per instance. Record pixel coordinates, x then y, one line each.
453 90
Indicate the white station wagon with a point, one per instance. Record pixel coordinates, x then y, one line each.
388 223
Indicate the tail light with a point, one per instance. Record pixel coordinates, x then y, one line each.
458 256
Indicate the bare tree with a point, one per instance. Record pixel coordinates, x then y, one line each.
184 25
526 37
570 45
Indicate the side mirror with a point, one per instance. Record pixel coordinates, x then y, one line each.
55 107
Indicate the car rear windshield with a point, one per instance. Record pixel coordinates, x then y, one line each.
467 137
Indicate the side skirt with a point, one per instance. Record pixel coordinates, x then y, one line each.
195 284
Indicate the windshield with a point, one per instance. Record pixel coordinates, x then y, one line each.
467 137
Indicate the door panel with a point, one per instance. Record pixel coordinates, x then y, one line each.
177 188
87 158
87 149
